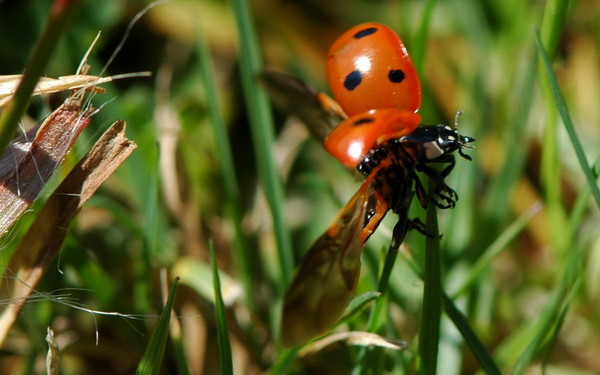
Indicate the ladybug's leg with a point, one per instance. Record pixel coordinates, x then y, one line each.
404 225
421 192
400 229
451 160
420 227
443 197
444 159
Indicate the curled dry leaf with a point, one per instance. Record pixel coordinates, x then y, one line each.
9 83
45 237
357 338
29 161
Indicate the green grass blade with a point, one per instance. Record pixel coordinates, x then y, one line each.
358 303
563 110
262 130
555 13
429 333
377 316
242 255
419 46
225 356
581 204
9 121
152 357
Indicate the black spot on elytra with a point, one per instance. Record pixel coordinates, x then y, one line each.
353 80
363 121
396 76
365 32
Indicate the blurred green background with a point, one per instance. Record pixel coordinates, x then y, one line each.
528 282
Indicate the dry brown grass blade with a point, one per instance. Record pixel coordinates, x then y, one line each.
29 162
9 83
46 235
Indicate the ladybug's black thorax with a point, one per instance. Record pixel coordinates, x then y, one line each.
396 151
395 174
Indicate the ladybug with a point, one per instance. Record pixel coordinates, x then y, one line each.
376 131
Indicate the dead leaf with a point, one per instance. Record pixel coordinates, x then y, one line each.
29 162
9 84
45 237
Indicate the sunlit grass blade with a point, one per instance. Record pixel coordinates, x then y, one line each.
153 355
225 356
471 339
262 129
563 110
9 121
495 248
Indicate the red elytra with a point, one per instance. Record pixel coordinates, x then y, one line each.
368 67
352 140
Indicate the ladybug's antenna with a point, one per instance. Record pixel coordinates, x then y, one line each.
463 141
456 116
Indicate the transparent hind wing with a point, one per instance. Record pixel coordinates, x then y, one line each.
326 280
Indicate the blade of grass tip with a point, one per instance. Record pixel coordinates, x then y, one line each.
225 356
153 355
563 110
479 350
262 129
9 121
429 333
242 256
555 13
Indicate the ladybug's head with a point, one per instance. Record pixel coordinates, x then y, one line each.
449 140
